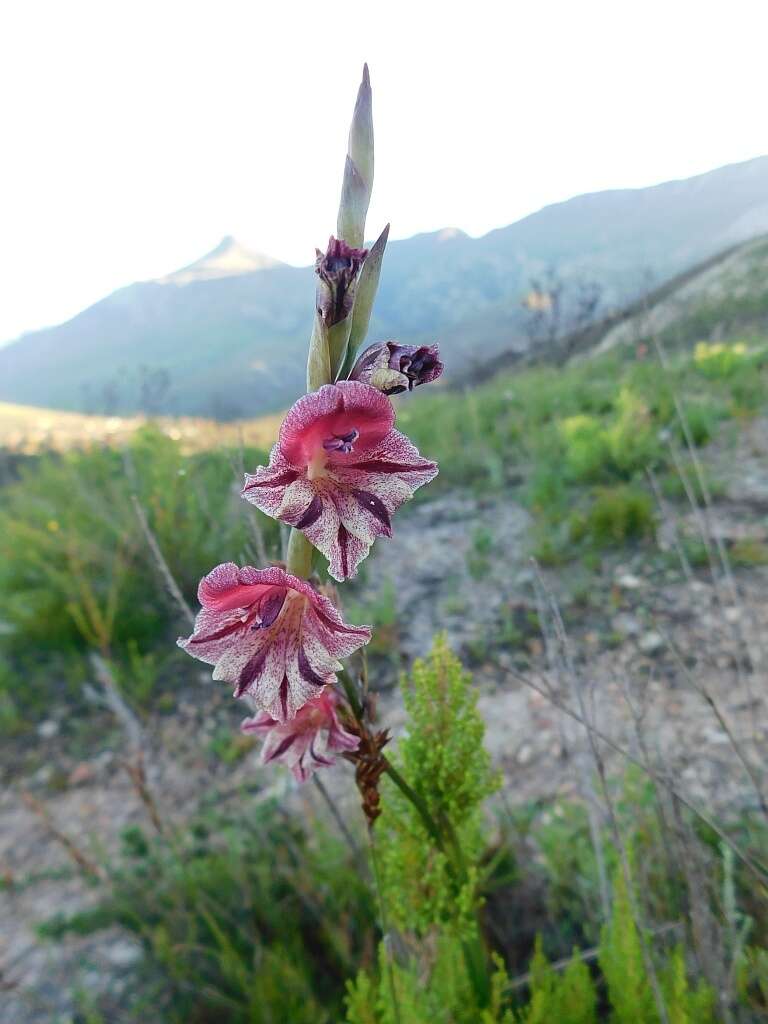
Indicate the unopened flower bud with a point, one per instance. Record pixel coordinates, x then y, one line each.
338 270
391 367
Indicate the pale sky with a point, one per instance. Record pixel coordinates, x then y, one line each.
135 134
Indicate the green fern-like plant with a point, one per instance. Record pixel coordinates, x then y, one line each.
429 874
568 998
444 758
629 988
399 993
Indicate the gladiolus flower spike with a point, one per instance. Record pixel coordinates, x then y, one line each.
271 635
339 471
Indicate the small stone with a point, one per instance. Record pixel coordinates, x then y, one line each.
43 775
650 642
48 729
103 760
732 614
123 953
626 624
524 754
628 581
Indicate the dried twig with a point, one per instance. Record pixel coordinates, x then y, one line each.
113 699
759 872
577 688
138 777
86 865
587 786
714 707
342 825
160 562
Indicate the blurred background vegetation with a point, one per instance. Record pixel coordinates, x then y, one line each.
247 912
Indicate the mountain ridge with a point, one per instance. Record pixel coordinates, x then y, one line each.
227 334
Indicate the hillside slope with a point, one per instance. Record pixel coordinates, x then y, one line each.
226 337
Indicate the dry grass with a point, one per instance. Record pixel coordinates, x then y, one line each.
27 430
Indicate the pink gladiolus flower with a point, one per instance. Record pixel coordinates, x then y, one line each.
339 471
308 741
271 635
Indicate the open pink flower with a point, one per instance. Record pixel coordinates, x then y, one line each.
308 741
271 635
339 471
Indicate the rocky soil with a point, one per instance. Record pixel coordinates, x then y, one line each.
650 647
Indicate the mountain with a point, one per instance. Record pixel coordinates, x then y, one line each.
722 297
226 336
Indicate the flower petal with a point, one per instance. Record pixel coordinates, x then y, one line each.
333 411
279 650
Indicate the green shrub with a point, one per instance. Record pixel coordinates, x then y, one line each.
587 448
568 998
244 919
75 568
718 360
630 991
443 754
616 515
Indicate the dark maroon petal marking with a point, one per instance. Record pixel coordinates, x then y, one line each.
343 540
307 672
341 442
336 627
282 747
374 505
317 758
380 466
271 607
284 696
220 633
251 670
311 514
277 481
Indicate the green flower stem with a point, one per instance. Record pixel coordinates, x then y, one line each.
300 554
410 793
351 694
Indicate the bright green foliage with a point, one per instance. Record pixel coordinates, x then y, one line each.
443 758
685 1005
629 987
586 447
567 998
631 436
621 961
559 430
447 997
430 886
717 360
615 516
597 450
752 979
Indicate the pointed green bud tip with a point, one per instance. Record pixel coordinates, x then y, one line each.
358 168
